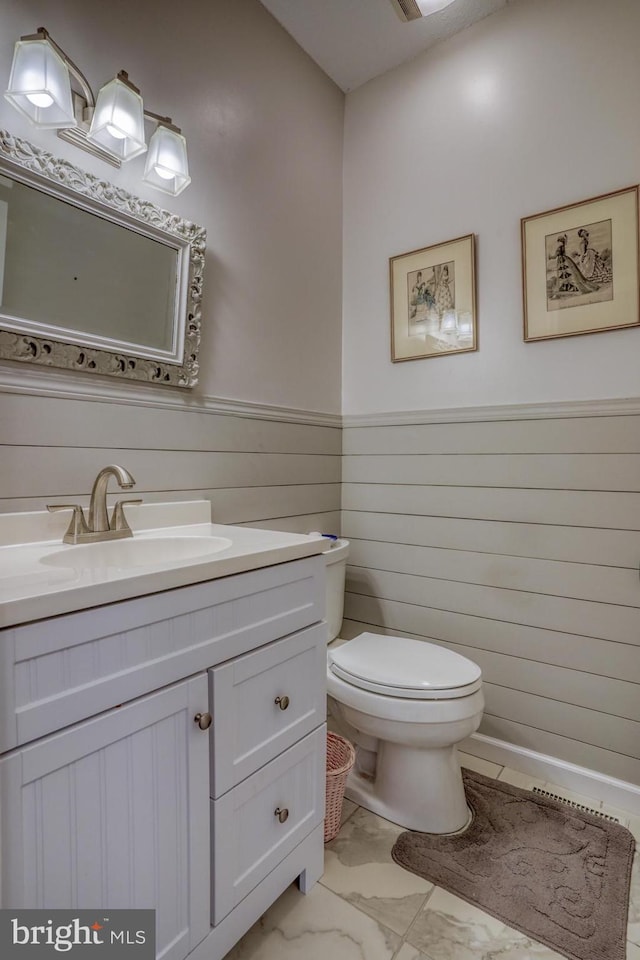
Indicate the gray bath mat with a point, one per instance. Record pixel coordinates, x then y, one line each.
559 875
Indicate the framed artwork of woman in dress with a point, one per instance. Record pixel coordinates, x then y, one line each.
580 267
433 301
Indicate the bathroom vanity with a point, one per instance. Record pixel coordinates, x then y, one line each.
164 747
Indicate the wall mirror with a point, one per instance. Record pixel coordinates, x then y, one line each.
93 278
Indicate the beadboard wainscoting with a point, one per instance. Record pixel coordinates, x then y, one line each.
259 466
512 536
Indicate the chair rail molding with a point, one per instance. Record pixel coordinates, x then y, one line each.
36 382
555 409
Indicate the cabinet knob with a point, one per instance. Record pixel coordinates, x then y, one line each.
283 702
282 815
203 720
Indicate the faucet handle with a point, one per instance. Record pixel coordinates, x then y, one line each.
118 519
77 525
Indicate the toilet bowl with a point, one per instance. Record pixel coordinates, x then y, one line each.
405 704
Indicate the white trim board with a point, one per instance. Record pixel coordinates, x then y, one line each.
590 783
36 382
18 378
612 407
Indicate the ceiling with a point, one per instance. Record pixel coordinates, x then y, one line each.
355 40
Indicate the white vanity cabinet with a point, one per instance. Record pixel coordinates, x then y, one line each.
111 793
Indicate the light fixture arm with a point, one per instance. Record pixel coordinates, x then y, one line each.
123 76
165 121
43 34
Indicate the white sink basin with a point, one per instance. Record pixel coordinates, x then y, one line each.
174 545
132 554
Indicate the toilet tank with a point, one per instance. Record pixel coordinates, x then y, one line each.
336 562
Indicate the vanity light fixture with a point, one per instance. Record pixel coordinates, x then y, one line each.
416 9
110 127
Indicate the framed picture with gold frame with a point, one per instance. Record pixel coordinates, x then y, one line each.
433 301
580 267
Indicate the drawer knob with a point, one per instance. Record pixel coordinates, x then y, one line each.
203 720
283 702
282 815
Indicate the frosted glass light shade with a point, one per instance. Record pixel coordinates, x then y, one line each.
118 120
166 166
39 85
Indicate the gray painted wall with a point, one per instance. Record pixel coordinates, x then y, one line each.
264 131
284 475
515 543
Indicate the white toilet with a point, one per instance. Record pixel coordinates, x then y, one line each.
405 704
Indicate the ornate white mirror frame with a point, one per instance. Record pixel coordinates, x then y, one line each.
31 342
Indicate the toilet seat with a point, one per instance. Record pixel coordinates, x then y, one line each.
403 667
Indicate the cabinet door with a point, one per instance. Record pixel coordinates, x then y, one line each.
113 813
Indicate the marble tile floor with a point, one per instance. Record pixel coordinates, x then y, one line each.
366 907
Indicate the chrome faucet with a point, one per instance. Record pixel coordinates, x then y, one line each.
98 526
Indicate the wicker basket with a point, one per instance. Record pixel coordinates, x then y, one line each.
340 758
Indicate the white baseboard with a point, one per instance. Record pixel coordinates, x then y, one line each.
590 783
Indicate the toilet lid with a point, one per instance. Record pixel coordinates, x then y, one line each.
402 667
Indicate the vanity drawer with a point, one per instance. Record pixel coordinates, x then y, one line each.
56 672
264 702
248 838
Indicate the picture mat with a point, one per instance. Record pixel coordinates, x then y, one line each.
622 311
461 251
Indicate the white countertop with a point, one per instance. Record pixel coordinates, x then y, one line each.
32 589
